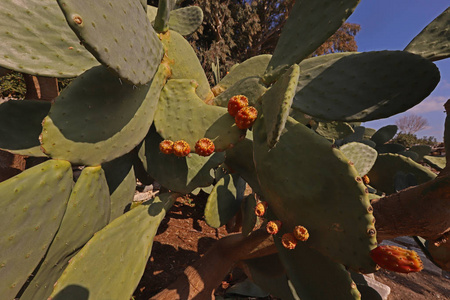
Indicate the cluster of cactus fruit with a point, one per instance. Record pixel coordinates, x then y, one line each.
141 95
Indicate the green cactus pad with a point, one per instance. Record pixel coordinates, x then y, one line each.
182 115
356 136
411 154
185 64
240 160
121 183
20 126
315 276
254 66
309 25
298 180
433 42
32 207
349 88
276 104
362 156
248 214
74 131
334 130
386 167
116 256
251 87
225 200
390 148
435 162
369 132
37 40
118 34
183 20
421 150
180 174
87 212
269 274
384 134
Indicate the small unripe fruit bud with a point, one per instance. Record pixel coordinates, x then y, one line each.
166 147
245 117
181 148
289 241
301 233
273 227
236 103
366 179
260 208
204 147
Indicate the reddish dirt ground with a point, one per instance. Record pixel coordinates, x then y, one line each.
184 237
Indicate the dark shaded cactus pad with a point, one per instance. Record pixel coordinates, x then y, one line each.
105 28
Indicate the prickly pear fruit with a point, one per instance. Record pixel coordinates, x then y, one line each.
366 179
245 117
204 147
236 103
397 259
273 227
289 241
181 148
260 208
301 233
166 147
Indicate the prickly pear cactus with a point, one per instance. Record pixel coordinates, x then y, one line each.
139 83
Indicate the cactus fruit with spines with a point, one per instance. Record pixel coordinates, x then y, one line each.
140 87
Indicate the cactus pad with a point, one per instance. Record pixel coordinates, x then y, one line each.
185 64
305 192
309 25
334 130
118 34
362 156
32 207
87 212
251 87
130 252
74 131
180 174
388 165
37 40
384 134
276 104
20 126
433 42
181 115
435 161
225 200
348 89
186 20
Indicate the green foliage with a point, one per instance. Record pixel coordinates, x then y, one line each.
410 139
13 85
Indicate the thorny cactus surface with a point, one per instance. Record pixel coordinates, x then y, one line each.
139 84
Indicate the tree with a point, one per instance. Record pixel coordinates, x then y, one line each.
411 124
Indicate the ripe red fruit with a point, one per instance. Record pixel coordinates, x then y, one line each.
166 147
397 259
246 117
273 227
204 147
181 148
301 233
236 103
289 241
260 208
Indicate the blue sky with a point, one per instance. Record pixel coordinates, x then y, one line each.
391 25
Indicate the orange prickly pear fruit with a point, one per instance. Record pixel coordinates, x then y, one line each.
181 148
236 103
366 179
273 227
397 259
245 117
204 147
301 233
260 208
166 147
289 241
